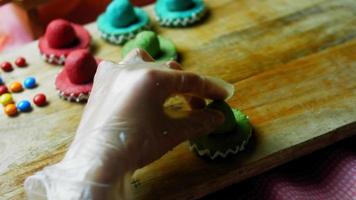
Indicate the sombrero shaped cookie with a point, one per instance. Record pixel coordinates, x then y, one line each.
121 22
228 139
61 38
158 47
75 81
179 13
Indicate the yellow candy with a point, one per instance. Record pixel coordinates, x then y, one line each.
10 109
6 99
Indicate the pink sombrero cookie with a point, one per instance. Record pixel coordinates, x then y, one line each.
61 38
75 81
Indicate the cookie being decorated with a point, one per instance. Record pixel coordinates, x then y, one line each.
179 13
75 81
237 131
158 47
121 22
61 38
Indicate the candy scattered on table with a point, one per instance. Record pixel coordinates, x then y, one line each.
40 99
6 99
29 82
24 106
3 89
16 86
21 62
10 109
6 66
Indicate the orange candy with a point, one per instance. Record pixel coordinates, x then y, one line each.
10 109
16 87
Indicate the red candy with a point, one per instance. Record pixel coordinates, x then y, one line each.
3 89
6 66
60 34
40 99
20 62
80 67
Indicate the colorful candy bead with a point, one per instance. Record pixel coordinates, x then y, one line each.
23 106
6 99
20 62
40 99
30 82
3 89
6 66
10 109
1 81
16 87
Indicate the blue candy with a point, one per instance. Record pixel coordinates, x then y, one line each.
24 106
1 81
29 82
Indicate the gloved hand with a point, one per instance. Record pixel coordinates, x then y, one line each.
125 126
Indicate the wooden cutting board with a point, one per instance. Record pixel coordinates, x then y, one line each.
294 69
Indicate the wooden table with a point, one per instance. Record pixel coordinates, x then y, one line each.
293 66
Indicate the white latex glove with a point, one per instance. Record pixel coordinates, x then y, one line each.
125 126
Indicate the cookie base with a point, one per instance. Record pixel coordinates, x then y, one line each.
53 59
81 97
120 39
219 154
181 22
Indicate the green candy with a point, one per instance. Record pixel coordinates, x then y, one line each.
224 144
159 48
229 122
148 41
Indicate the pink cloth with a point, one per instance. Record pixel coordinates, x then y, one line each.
14 28
329 174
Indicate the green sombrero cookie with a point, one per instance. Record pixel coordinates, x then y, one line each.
158 47
237 131
179 13
121 22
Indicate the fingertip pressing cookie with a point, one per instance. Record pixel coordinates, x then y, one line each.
179 13
61 38
75 81
237 131
121 22
158 47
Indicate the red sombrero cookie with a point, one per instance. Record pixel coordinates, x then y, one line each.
61 38
75 81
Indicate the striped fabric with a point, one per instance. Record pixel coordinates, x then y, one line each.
329 174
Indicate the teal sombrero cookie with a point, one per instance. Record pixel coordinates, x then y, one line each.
158 47
179 13
121 22
229 138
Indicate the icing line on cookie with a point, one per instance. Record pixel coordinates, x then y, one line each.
53 59
203 152
73 97
181 21
122 38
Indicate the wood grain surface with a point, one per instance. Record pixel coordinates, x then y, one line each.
294 69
